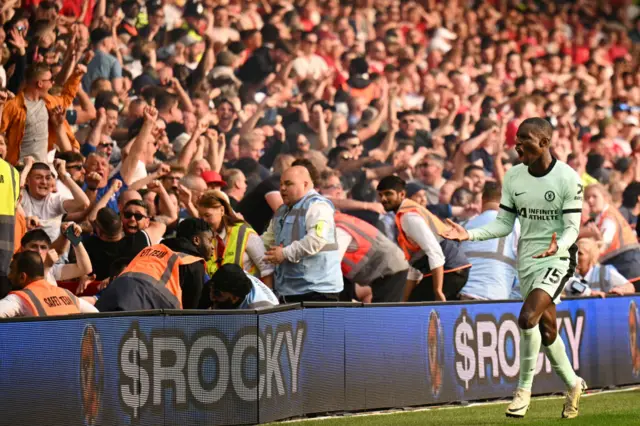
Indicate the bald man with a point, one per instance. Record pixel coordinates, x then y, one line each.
302 242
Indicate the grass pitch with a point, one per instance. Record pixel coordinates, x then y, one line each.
600 408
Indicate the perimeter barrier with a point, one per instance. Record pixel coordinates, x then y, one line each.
247 367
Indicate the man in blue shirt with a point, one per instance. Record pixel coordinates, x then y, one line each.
232 288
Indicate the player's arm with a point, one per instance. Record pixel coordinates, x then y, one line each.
571 211
503 224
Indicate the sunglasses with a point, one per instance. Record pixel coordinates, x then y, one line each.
106 144
76 167
138 216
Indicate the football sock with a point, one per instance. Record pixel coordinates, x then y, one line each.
560 362
530 339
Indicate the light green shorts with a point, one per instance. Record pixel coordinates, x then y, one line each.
551 279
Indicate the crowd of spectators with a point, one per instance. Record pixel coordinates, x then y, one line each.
124 118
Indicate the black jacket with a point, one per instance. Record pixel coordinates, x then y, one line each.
127 293
192 276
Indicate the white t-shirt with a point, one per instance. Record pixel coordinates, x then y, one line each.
64 192
313 67
49 210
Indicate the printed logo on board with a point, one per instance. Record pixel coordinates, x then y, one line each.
91 375
435 350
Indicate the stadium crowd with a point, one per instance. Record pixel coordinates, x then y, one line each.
234 153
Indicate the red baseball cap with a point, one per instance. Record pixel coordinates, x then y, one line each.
211 176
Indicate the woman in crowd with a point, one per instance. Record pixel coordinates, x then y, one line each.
235 241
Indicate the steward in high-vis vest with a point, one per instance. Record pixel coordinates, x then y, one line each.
33 296
302 237
493 262
9 194
371 259
621 248
234 250
442 263
161 277
235 241
624 251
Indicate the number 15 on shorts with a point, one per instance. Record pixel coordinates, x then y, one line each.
552 276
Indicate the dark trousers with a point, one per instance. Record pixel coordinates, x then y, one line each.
451 286
385 289
389 288
310 297
131 294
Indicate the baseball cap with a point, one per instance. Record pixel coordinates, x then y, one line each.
211 176
413 188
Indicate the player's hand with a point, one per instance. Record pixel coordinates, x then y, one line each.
455 232
553 248
274 255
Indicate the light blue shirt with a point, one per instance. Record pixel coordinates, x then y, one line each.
260 296
493 262
103 65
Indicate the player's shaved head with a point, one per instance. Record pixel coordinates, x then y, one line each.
538 127
294 184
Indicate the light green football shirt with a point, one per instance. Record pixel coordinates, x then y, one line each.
544 205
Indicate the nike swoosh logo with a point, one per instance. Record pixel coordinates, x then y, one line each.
520 193
518 409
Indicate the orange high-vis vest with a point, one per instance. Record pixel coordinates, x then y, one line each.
433 221
364 236
624 240
454 258
46 300
369 93
160 265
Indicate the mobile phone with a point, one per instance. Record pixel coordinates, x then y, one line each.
578 287
71 236
72 116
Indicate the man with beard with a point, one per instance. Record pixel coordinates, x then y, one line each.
164 276
232 288
443 267
136 218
